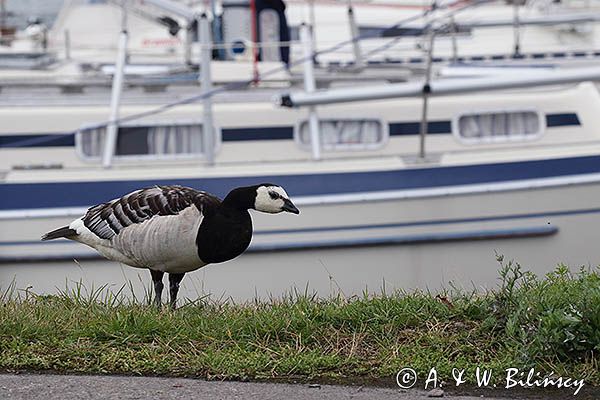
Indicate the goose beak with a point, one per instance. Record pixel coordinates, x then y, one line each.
290 207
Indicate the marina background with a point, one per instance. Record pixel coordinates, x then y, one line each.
21 10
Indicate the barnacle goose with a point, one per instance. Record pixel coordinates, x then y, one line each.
174 229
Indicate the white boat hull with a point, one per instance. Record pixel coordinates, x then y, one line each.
404 242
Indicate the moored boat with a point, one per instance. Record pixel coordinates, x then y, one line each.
384 205
514 172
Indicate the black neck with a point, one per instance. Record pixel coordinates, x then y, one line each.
241 198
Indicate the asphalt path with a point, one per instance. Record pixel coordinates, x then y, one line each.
29 386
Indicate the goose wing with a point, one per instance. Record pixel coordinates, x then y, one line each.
108 219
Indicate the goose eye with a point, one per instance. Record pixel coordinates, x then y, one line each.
274 195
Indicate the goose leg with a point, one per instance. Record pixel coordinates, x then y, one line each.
157 277
174 281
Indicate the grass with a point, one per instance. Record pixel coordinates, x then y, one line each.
550 323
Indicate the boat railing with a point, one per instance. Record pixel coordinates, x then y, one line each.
307 39
313 98
425 87
361 52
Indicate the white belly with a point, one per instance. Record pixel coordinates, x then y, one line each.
164 243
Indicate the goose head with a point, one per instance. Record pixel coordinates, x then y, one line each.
273 199
266 197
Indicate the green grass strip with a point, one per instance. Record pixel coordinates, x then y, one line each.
550 323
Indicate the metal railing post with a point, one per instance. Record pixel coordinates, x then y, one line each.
310 86
112 129
453 32
187 49
206 85
312 18
425 94
358 58
67 44
517 28
255 44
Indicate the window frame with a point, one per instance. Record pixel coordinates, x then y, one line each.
348 147
148 157
455 127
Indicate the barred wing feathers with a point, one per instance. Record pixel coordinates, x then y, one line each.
107 220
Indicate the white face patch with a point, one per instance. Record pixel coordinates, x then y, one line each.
270 199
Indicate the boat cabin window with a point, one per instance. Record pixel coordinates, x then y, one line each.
498 126
345 134
160 140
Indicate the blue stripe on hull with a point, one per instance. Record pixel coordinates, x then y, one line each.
438 237
263 133
81 194
413 128
435 222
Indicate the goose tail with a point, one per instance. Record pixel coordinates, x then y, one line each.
65 231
